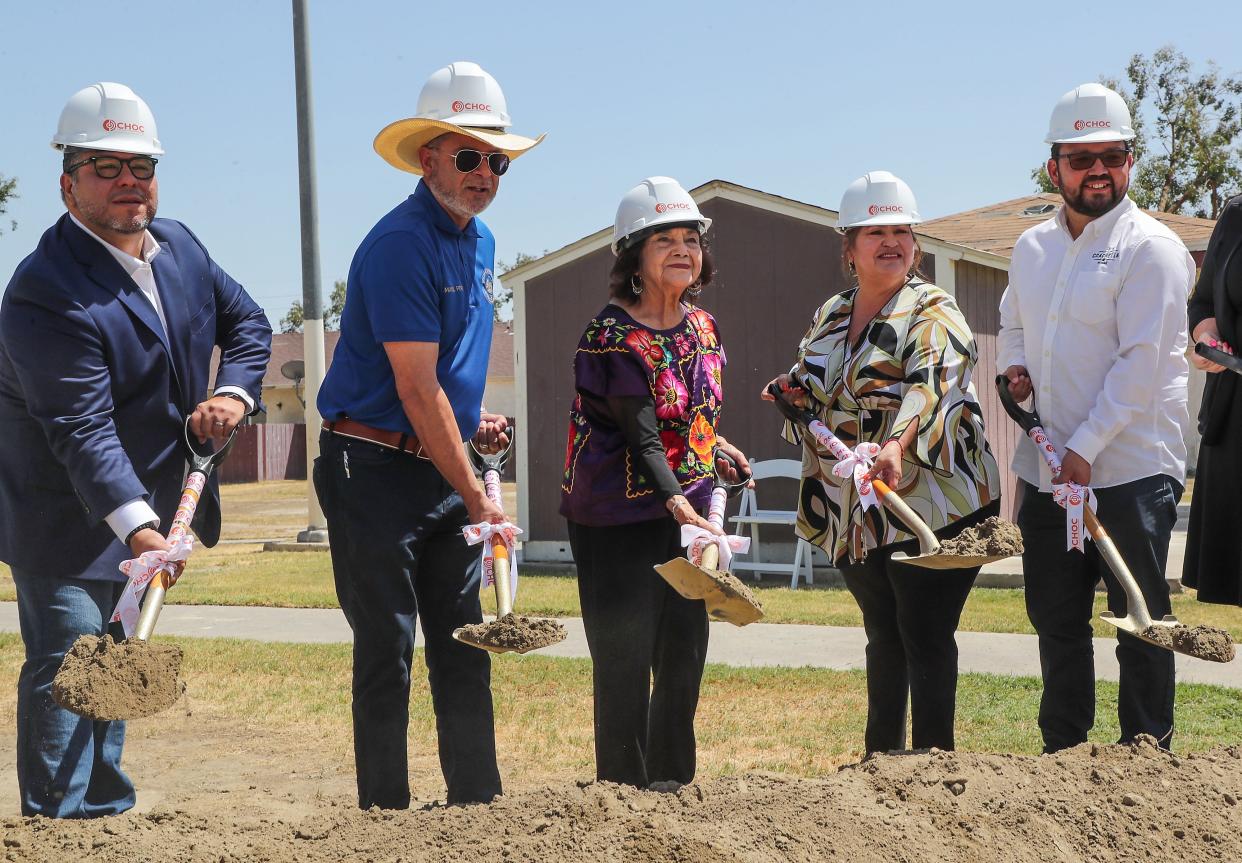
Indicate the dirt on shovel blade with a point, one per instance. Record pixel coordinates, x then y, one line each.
991 537
733 586
515 632
108 680
1204 642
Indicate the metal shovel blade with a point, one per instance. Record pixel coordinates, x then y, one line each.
941 560
723 603
512 634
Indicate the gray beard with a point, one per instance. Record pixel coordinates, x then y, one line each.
136 225
451 200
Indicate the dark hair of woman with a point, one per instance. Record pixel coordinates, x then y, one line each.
847 246
625 267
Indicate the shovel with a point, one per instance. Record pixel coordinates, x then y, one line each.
930 555
1216 355
102 680
725 597
508 633
1167 632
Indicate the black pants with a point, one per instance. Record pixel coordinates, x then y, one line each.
397 552
1060 590
910 614
638 630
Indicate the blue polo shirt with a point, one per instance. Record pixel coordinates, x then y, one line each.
417 277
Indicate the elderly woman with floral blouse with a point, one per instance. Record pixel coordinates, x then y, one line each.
640 462
889 362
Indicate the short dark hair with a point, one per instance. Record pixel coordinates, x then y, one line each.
625 267
847 245
71 155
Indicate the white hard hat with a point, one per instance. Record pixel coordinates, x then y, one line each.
653 202
1087 114
878 198
462 98
107 116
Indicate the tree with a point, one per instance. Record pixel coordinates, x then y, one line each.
292 322
502 297
7 192
1188 160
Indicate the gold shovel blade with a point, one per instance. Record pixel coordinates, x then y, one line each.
693 582
1131 625
940 560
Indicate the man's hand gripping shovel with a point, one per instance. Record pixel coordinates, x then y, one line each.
930 554
509 632
1214 645
102 680
700 574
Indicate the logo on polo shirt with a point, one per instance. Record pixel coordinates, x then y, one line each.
487 283
1103 256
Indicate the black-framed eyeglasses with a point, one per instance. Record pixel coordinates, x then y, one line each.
109 167
1083 161
466 160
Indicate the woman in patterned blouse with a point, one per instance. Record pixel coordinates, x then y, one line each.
889 362
639 463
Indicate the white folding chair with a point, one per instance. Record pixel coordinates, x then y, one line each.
749 514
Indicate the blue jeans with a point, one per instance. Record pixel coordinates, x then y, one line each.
67 765
1060 590
397 554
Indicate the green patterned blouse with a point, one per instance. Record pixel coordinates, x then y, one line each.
912 364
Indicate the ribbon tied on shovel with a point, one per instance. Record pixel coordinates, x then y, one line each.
484 532
696 538
1072 497
857 463
141 570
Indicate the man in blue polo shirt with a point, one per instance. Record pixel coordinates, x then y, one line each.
403 394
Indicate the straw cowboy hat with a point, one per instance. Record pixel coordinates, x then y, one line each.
460 98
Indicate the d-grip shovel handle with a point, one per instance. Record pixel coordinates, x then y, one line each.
1032 425
716 510
1216 355
490 465
202 463
928 544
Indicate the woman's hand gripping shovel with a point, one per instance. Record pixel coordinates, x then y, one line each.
1221 358
725 597
931 555
509 632
102 680
1201 642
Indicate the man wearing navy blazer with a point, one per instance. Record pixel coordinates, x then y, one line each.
106 337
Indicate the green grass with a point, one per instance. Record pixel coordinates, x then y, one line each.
802 721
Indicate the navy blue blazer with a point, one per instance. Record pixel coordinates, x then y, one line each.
94 395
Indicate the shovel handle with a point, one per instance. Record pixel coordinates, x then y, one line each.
500 551
1216 355
1136 604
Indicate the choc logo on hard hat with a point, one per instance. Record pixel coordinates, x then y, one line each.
114 125
1079 125
673 205
459 106
876 209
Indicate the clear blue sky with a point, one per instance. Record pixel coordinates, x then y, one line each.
792 98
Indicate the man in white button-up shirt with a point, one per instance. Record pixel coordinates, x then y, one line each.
1094 324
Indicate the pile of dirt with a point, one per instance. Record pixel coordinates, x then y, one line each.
103 679
1093 802
990 538
513 632
1204 642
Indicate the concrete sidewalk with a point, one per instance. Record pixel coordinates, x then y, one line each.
756 645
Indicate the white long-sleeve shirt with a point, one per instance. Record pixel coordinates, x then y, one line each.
1100 325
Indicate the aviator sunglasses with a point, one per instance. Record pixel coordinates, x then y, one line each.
109 167
1083 161
467 160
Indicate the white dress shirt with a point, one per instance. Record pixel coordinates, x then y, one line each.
1100 325
133 513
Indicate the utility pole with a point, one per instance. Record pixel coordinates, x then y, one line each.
312 306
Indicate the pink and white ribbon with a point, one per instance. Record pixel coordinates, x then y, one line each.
141 571
483 533
696 539
1069 495
850 462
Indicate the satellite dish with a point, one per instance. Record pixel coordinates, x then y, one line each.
294 370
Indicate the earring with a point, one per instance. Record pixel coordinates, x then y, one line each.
636 284
853 272
695 289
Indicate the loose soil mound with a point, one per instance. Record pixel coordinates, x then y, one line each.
103 679
1098 803
1204 642
991 537
513 632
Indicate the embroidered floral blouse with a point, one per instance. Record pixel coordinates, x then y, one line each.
911 364
680 369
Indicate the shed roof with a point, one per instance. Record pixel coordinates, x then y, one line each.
996 227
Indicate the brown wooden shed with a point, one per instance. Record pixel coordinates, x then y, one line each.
777 260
